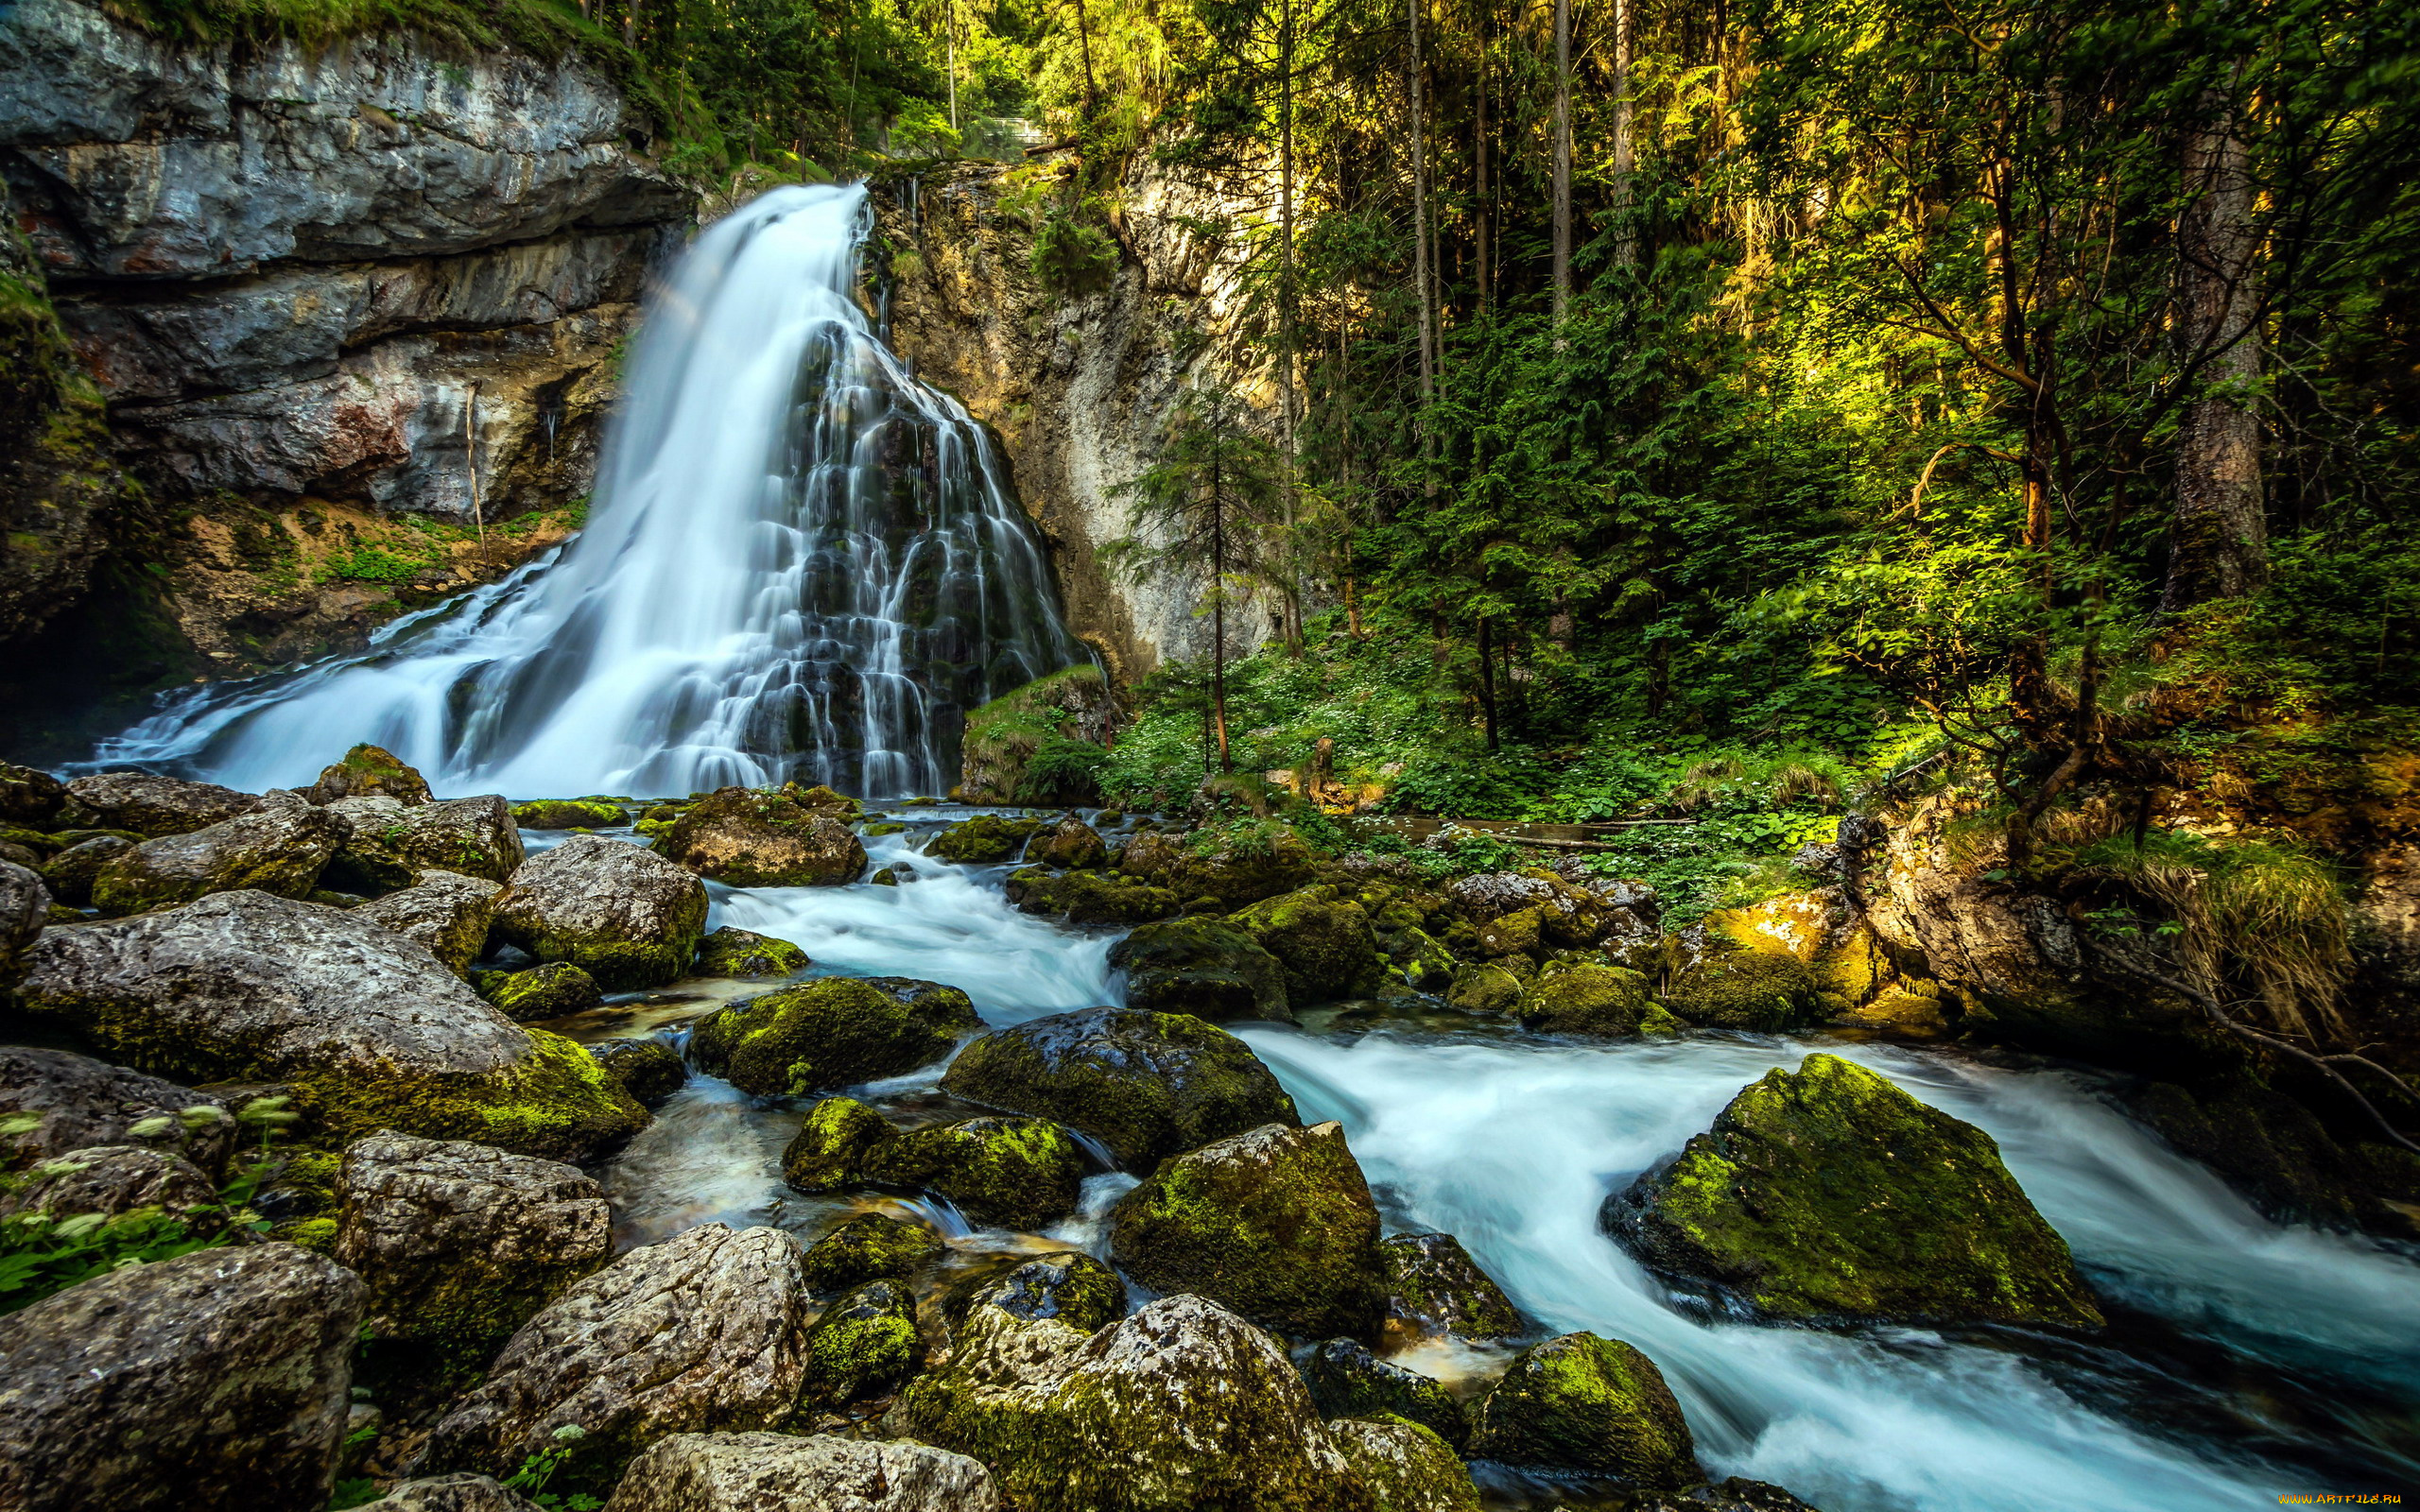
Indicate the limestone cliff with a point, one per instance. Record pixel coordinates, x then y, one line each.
331 295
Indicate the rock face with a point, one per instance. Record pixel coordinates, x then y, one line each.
444 911
365 1028
1204 966
1146 1085
279 847
1582 1402
758 1473
218 1378
388 843
437 221
1827 1193
150 805
83 1102
702 1332
834 1032
460 1243
625 916
751 838
1275 1222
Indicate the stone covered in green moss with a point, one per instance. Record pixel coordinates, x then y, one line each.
368 771
1275 1222
568 813
444 911
986 839
1323 939
1602 1002
827 1154
549 992
1014 1173
1829 1193
280 847
1418 959
1068 1290
1585 1403
743 953
1070 844
864 1346
777 837
70 872
1205 967
1231 870
625 916
1762 990
29 796
1433 1285
389 842
1347 1380
1090 897
1483 988
1405 1466
1146 1085
648 1070
832 1032
870 1246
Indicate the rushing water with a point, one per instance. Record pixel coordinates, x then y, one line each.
801 563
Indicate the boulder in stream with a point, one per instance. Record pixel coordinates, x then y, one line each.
445 911
1434 1286
1070 845
149 805
762 1472
864 1346
389 842
648 1070
1275 1222
1595 1405
1766 990
1829 1194
832 1032
1097 897
742 952
1205 967
554 990
280 846
1407 1466
618 911
568 813
1347 1380
369 771
1321 938
1146 1085
983 840
871 1246
748 837
1016 1173
1229 875
1591 1000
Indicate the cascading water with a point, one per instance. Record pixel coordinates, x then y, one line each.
801 563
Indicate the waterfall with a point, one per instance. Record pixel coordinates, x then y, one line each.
800 563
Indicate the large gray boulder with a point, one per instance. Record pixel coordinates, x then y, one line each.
765 838
280 847
618 911
71 872
83 1103
445 911
147 804
112 1179
703 1333
365 1028
450 1493
24 908
215 1381
460 1243
774 1472
388 843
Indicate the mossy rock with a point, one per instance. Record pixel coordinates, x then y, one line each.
778 837
41 844
1418 959
1012 1173
1601 1002
70 870
1070 845
823 799
1090 897
1001 736
870 1246
1484 988
887 877
1205 967
1323 941
1829 1194
1146 1085
741 952
1433 1285
1404 1466
1759 990
567 814
1595 1405
1275 1222
369 771
827 1154
1232 873
549 992
835 1032
29 796
986 839
1347 1380
864 1346
874 832
1067 1288
388 843
648 1070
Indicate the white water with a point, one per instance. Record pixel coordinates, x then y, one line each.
800 563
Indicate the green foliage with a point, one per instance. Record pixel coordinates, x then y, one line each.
1073 256
1062 770
538 1470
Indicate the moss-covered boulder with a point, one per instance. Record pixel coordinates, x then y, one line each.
1001 737
1418 959
369 771
1405 1466
389 842
1827 1193
986 839
871 1246
444 911
1434 1286
1755 989
1090 897
834 1032
1181 1407
568 813
1591 1405
742 952
24 913
1347 1380
364 1029
1321 938
1070 844
148 805
70 872
1229 870
1275 1222
1205 967
625 916
280 846
1012 1173
1601 1002
828 1152
1146 1085
648 1070
1513 934
29 796
554 990
864 1346
751 837
1482 986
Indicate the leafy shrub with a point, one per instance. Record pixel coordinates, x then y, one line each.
1071 257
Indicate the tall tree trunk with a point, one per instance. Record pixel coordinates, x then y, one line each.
1420 269
1084 43
1286 313
1484 202
1625 150
1218 607
949 52
2219 536
1486 683
1561 162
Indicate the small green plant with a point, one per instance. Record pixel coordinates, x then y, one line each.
1072 257
1062 770
540 1470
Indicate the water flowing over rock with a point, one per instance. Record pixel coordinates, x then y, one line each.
214 1382
758 1473
891 582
